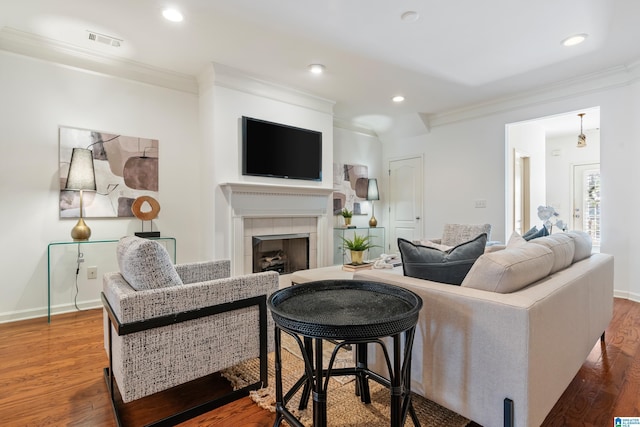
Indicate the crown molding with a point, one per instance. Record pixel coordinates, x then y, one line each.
23 43
611 78
232 78
346 125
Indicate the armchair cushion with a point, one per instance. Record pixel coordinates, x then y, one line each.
449 266
146 264
455 234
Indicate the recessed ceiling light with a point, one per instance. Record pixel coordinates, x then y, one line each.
574 40
317 68
410 16
172 15
398 98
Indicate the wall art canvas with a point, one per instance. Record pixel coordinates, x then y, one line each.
126 168
350 184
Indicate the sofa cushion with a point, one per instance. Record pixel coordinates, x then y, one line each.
450 266
145 264
518 265
562 247
583 244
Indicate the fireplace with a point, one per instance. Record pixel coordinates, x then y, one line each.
283 253
263 210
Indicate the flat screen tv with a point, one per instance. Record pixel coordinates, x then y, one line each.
280 151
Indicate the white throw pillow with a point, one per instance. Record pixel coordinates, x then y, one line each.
511 269
145 264
583 243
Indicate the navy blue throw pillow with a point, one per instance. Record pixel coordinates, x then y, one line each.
533 230
541 233
449 266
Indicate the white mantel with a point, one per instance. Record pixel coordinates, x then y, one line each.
257 200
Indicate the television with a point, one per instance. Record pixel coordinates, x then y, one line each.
280 151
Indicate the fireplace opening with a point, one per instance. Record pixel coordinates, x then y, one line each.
284 253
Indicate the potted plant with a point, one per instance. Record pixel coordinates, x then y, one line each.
357 245
346 214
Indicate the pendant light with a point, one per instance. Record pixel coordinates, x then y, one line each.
582 138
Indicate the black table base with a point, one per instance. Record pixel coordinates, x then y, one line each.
316 379
349 312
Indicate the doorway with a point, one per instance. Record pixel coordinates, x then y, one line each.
521 193
405 201
586 201
551 147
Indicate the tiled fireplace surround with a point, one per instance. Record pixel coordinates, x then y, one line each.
263 209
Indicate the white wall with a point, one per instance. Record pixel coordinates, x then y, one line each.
231 101
465 160
37 97
353 147
199 138
462 163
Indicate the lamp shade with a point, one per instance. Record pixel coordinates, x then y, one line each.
372 190
81 173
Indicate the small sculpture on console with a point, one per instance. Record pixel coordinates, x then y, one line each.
148 215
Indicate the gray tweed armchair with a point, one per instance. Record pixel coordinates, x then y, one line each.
167 325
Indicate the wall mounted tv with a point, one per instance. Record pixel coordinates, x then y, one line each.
280 151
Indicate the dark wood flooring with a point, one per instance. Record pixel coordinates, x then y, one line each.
51 375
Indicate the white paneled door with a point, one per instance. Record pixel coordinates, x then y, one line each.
405 201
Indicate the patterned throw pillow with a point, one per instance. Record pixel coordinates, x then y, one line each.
145 264
450 266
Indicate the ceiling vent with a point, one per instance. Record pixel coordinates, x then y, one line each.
104 39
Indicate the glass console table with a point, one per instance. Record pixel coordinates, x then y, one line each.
65 258
342 256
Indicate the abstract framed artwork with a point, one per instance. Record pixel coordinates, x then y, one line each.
350 184
126 168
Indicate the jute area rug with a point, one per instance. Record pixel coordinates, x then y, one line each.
344 408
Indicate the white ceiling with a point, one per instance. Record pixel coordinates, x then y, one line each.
458 53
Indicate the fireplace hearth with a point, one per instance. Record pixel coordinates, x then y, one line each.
283 253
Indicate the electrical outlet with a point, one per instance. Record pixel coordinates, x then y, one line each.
481 203
92 272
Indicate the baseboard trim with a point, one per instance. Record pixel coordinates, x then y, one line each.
14 316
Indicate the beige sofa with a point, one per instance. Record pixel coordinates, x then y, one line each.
479 352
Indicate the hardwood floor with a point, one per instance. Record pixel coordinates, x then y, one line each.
51 374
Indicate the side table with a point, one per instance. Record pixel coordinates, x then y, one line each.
59 259
351 312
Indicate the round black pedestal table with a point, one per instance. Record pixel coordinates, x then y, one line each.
348 312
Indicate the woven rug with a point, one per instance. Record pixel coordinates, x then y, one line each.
344 408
